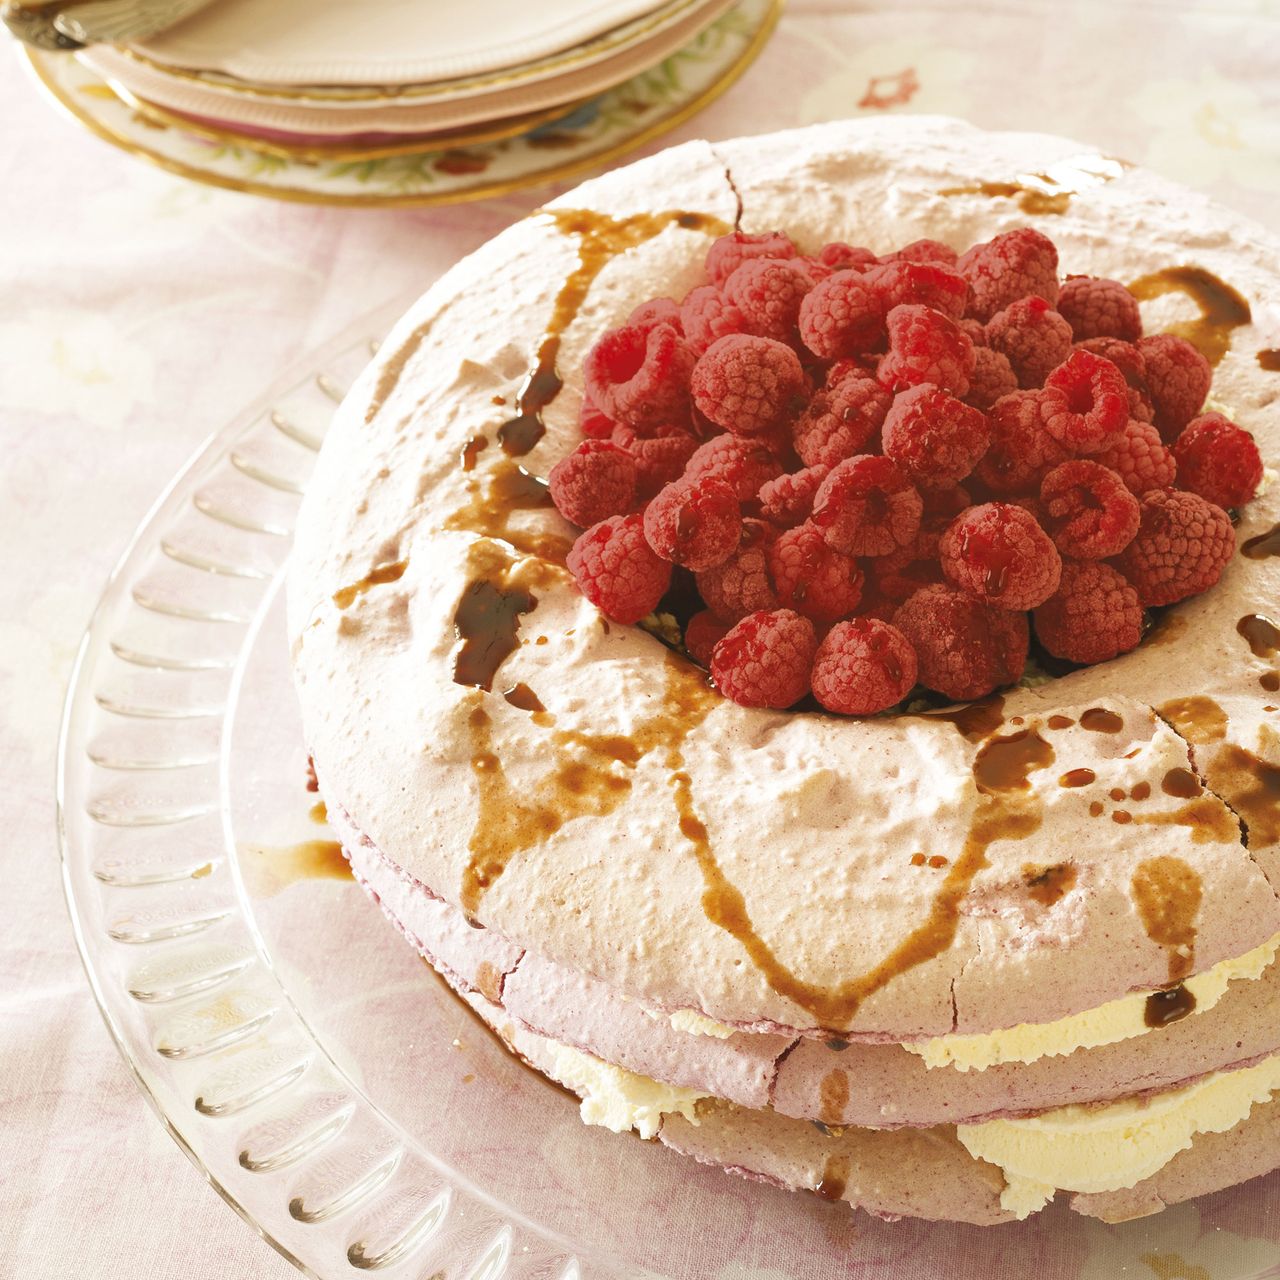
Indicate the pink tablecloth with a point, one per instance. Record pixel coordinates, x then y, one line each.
141 312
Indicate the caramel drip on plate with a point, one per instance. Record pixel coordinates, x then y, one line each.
1262 635
269 868
345 597
1222 308
1197 718
1167 892
833 1096
1049 885
600 238
1269 359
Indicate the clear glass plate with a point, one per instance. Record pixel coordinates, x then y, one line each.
324 1080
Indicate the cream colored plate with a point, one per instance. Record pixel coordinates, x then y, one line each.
390 115
625 117
381 42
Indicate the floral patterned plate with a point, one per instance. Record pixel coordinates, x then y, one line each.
617 121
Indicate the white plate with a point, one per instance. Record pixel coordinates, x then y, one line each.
382 42
389 115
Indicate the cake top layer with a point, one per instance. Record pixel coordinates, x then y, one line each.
580 789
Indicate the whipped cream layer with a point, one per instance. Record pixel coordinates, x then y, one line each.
801 909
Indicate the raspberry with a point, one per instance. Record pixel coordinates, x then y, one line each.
812 577
933 437
1008 267
594 424
840 423
867 507
765 660
992 377
845 257
1182 546
1218 460
640 378
1092 617
976 330
595 481
1140 459
924 346
616 569
863 666
1099 308
1034 337
741 585
945 503
746 384
728 253
999 554
841 316
788 500
848 367
1021 449
1085 404
701 635
695 523
964 648
899 575
744 465
648 315
1178 378
706 315
1088 510
767 293
659 461
924 251
1129 360
926 284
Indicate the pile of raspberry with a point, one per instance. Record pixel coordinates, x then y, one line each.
886 472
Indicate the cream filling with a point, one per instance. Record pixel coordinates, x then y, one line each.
619 1099
1107 1148
1120 1019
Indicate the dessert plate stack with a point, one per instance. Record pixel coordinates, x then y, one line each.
424 102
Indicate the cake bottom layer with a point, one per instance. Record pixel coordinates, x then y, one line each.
922 1171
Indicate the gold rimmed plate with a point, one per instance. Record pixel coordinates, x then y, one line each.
626 116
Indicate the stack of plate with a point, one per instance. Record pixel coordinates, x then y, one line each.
471 98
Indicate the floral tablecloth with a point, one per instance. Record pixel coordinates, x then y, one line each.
140 312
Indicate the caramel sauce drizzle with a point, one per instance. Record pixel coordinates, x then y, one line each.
1100 720
1049 885
1198 719
835 1176
1269 359
505 489
1262 635
1264 545
833 1096
379 576
487 617
1048 192
600 238
1167 893
1077 778
1164 1008
1251 787
975 720
1222 308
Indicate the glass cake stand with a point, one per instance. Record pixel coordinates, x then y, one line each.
327 1084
